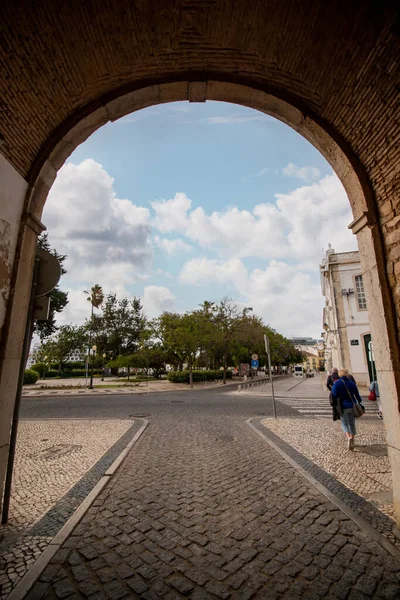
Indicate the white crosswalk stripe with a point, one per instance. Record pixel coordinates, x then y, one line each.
318 407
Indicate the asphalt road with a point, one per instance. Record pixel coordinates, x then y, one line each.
216 402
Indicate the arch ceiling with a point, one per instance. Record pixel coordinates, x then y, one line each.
337 60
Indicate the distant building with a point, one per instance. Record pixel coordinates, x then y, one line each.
313 350
32 355
303 341
347 334
74 356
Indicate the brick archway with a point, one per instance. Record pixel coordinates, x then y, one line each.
327 69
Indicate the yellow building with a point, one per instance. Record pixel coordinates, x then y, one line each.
315 359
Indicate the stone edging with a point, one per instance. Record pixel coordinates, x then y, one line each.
280 447
28 580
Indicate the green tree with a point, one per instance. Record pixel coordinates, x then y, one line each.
58 298
117 330
182 337
230 318
165 329
66 339
154 357
127 361
209 352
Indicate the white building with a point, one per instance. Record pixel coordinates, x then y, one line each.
32 356
314 351
345 317
74 356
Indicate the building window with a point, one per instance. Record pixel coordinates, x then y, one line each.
361 299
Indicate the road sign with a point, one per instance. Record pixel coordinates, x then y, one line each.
41 308
49 273
254 363
254 357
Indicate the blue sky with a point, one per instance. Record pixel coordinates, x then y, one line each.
185 202
158 151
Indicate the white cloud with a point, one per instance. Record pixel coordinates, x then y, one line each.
237 118
204 271
186 109
306 174
77 309
171 246
156 299
105 238
283 295
296 227
171 215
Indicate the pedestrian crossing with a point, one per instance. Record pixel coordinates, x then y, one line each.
320 407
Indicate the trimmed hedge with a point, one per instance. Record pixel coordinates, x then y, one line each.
183 376
39 368
50 374
30 376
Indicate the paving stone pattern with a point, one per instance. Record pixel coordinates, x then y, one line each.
203 508
366 470
370 512
26 536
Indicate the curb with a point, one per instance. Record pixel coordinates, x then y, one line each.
359 521
29 579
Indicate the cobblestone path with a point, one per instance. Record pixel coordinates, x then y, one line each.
203 508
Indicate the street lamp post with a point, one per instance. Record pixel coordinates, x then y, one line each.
45 365
94 348
104 357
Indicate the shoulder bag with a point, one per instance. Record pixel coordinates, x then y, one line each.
357 408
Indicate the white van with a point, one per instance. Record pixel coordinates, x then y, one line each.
298 371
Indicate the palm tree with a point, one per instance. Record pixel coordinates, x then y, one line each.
96 297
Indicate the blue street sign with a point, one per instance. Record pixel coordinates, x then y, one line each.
254 364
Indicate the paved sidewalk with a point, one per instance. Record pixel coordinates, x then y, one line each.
78 388
314 434
51 457
203 508
366 470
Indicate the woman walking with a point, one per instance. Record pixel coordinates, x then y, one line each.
344 394
334 376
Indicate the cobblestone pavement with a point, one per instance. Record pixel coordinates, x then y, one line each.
313 433
51 457
203 508
366 470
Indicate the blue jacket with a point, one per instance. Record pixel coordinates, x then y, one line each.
341 395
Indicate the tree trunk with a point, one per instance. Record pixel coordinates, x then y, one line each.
59 368
191 375
129 370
